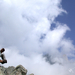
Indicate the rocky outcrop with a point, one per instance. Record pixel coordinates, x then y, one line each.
19 70
31 74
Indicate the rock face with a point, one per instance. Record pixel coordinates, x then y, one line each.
19 70
31 74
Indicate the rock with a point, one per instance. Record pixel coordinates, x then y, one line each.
31 74
2 70
9 70
19 70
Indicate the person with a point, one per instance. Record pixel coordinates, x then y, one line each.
2 56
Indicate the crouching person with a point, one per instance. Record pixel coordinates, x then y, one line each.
2 56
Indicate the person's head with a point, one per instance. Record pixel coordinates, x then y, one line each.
2 50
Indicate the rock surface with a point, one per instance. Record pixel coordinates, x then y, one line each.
19 70
31 74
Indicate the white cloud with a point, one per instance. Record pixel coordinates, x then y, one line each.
25 32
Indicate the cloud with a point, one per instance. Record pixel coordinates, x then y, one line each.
25 33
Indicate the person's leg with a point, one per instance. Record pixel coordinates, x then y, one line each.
1 61
4 61
3 56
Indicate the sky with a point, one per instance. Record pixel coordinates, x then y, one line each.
68 18
38 34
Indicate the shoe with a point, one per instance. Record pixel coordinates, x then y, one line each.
4 61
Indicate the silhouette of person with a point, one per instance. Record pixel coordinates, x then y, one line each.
2 56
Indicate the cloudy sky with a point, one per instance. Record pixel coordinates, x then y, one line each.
38 34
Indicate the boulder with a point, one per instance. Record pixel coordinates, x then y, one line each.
31 74
2 70
19 70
